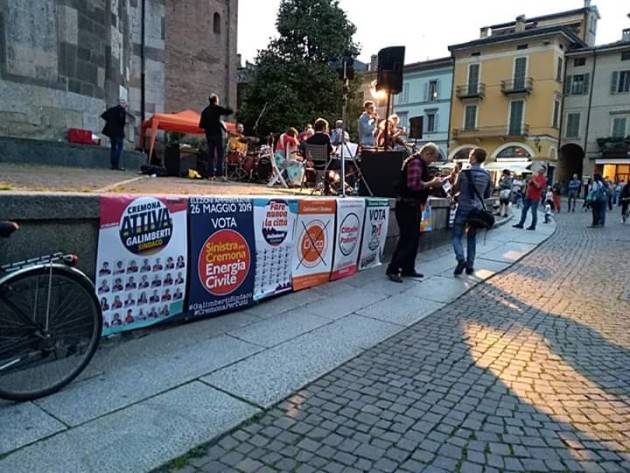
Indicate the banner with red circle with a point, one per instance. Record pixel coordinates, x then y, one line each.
315 241
350 214
222 241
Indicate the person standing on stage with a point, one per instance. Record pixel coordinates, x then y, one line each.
339 135
413 192
368 125
115 121
214 128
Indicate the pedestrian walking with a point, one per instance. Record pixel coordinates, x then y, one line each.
556 189
598 199
535 189
471 184
412 193
609 190
517 191
617 192
115 121
573 190
505 192
211 123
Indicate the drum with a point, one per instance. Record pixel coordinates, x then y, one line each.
249 163
262 169
233 158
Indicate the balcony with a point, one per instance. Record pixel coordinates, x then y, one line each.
490 132
520 86
474 91
614 147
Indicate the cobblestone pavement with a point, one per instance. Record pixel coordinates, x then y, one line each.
528 372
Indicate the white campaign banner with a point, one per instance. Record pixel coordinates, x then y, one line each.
314 244
274 227
350 214
141 261
374 232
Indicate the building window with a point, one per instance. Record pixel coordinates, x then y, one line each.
514 152
573 125
473 78
404 120
431 121
216 24
577 84
559 69
579 61
515 126
520 71
620 82
556 114
403 96
619 127
470 118
625 56
433 91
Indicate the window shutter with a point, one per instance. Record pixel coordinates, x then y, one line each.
437 90
586 83
426 92
436 122
613 84
567 85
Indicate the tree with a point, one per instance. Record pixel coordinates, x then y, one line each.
293 77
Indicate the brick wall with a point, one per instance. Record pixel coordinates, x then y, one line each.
200 61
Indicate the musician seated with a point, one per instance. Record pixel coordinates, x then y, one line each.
238 142
394 133
321 136
288 159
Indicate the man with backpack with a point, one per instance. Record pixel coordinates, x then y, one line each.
598 199
474 186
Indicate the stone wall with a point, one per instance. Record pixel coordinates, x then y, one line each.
200 60
62 62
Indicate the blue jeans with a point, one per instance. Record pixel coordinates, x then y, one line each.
533 204
116 151
458 233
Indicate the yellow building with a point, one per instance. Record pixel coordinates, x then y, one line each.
508 88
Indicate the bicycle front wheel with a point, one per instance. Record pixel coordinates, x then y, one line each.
50 325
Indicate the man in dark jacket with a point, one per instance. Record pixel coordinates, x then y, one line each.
413 192
214 128
115 120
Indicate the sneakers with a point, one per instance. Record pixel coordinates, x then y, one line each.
459 269
518 225
470 271
413 274
530 228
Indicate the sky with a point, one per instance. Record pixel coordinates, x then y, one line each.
425 28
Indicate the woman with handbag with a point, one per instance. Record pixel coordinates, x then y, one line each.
473 186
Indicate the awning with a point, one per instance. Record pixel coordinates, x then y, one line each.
518 167
613 161
181 122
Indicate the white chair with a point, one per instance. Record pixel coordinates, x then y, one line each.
276 173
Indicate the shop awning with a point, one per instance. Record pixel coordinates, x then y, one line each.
186 121
518 167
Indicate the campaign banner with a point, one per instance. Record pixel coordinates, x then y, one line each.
222 259
141 260
426 222
374 233
274 224
314 244
350 214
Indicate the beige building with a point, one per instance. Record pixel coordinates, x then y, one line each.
508 88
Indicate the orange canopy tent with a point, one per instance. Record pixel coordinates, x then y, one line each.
181 122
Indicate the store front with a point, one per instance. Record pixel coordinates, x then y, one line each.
616 170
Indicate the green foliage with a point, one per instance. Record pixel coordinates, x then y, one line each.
293 75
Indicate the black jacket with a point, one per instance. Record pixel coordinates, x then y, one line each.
115 118
211 119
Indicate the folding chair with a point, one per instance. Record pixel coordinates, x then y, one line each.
276 173
318 154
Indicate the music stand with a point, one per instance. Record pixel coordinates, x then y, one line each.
349 151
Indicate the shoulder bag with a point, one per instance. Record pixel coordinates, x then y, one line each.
478 218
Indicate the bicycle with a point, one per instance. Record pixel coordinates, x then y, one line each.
50 324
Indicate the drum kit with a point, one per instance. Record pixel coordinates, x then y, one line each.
254 166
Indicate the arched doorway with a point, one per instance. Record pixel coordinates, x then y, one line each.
461 153
570 161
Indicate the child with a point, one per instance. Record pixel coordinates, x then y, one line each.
547 212
549 198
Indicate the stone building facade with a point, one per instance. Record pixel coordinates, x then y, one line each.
63 62
201 55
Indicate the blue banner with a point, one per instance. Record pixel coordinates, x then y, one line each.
223 255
